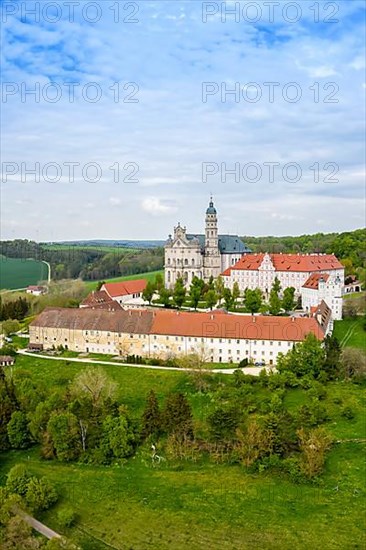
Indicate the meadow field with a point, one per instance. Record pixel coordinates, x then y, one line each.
19 273
98 248
350 333
200 504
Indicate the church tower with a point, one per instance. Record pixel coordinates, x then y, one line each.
212 258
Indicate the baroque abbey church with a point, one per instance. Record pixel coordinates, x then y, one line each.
204 255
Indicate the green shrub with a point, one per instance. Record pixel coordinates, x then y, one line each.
348 412
66 517
40 494
18 479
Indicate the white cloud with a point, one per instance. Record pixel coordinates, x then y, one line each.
155 206
170 132
115 201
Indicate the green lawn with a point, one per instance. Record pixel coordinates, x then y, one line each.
179 505
19 273
149 276
350 333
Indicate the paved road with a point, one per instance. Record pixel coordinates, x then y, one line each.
38 526
246 370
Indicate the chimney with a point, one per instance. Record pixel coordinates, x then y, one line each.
129 312
293 319
253 319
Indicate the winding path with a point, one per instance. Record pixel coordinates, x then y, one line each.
38 526
246 370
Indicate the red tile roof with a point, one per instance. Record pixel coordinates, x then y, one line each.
323 314
175 323
313 280
223 325
125 288
96 298
288 262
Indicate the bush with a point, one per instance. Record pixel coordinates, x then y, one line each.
348 412
18 479
317 391
291 466
66 517
18 432
40 494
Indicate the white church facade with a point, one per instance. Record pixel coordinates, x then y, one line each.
189 255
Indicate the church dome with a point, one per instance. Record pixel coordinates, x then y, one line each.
211 209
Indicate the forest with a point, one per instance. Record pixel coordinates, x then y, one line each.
97 263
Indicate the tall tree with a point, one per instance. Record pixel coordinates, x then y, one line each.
165 295
63 429
151 417
148 292
210 298
118 437
177 415
228 298
159 282
194 294
288 299
179 293
18 432
219 287
95 383
306 358
332 362
274 302
235 293
253 300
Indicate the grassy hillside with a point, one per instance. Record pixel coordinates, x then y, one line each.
199 505
19 273
350 333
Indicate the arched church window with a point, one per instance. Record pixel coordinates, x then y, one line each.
186 262
192 261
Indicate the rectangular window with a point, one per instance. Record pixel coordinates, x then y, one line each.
271 343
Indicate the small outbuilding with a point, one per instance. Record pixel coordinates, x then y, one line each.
6 360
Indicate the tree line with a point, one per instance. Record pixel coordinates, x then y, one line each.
88 263
214 293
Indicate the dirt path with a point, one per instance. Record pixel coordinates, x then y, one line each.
38 526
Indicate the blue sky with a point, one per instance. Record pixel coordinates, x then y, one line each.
169 132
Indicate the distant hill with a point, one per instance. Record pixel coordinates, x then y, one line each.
104 242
